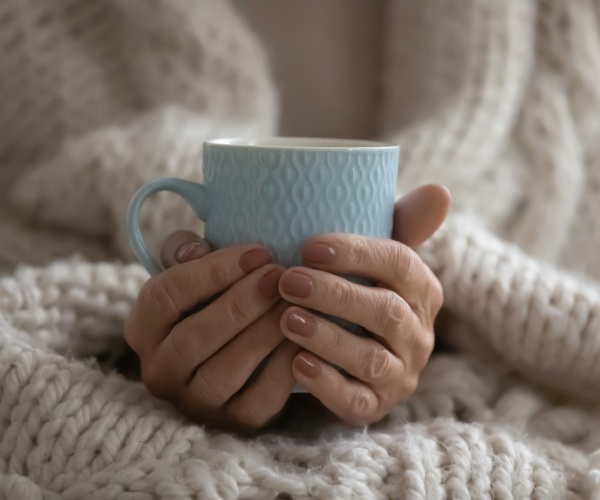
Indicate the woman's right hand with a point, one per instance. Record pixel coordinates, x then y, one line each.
201 361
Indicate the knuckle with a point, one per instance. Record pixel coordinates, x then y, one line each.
186 341
341 294
376 365
217 275
420 352
403 260
436 295
212 390
357 250
359 406
427 344
157 295
394 313
334 340
238 310
409 385
155 381
432 301
269 335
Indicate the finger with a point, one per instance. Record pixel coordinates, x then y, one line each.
386 261
351 400
419 214
225 373
166 298
266 397
379 310
183 246
362 357
201 335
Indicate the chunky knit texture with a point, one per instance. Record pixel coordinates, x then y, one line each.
498 100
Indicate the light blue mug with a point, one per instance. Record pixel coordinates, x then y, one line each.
280 191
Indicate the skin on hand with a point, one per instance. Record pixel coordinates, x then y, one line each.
399 312
201 361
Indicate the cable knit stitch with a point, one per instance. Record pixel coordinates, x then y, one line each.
499 100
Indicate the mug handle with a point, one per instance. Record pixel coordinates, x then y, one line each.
195 195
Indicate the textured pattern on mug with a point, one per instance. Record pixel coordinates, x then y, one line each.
290 206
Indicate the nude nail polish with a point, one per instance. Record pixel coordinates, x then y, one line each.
301 324
308 365
297 284
319 253
268 286
189 250
253 259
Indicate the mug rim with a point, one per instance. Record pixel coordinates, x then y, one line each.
300 143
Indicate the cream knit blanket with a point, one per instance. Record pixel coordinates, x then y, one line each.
499 100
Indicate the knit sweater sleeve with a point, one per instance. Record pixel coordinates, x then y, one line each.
534 318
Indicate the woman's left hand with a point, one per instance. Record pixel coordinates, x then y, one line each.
383 369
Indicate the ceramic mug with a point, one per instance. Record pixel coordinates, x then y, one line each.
280 191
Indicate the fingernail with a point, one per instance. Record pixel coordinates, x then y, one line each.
253 259
268 286
297 284
308 365
302 324
319 253
189 251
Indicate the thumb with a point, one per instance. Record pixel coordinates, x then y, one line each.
183 246
419 214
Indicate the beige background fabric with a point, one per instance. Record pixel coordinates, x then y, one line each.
327 59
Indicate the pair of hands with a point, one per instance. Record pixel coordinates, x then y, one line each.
204 361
